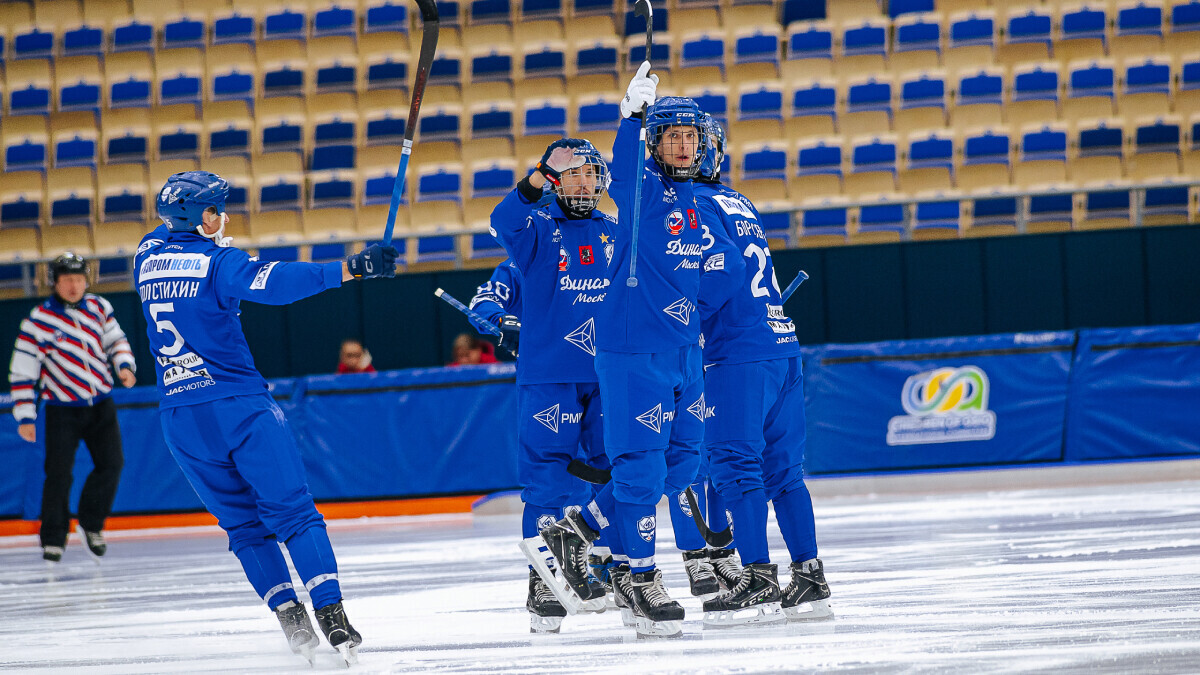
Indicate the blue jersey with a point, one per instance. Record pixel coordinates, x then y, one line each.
658 314
563 264
500 295
741 304
190 290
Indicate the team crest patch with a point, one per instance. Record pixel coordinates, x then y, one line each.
585 255
693 222
675 222
683 504
543 521
646 528
564 259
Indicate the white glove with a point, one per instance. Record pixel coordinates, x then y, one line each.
641 91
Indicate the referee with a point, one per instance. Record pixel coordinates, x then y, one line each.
67 352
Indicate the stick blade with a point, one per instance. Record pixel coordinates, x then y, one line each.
642 8
717 539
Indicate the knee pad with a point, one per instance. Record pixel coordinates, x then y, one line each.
682 471
293 519
639 476
782 482
734 469
249 534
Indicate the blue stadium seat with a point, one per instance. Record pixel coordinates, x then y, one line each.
183 31
283 67
935 151
1095 80
881 218
439 182
918 33
815 106
777 225
1086 27
994 212
761 101
1106 204
636 25
1150 77
446 68
1185 18
1054 207
492 120
328 252
178 141
1189 76
599 112
33 44
386 72
1032 27
757 46
900 7
867 39
179 87
126 135
936 215
532 10
334 138
80 90
29 84
279 253
636 51
231 26
25 143
229 138
545 60
988 147
810 41
1161 135
284 24
973 30
824 221
378 185
876 155
279 194
449 12
765 162
490 11
1166 204
1101 140
125 205
800 10
331 190
21 196
438 248
281 134
132 34
548 118
1035 93
386 16
599 57
981 88
484 245
703 50
335 19
713 101
71 195
80 40
492 65
869 96
819 159
492 180
595 7
1047 143
927 91
1140 19
442 123
75 149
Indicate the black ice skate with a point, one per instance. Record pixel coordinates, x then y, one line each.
52 554
566 542
726 567
545 611
301 636
700 573
599 591
807 596
601 568
622 590
655 614
338 631
754 600
93 542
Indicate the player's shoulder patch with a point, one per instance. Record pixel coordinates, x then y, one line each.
609 217
148 244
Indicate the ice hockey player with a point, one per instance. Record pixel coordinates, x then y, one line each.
754 386
561 247
648 355
220 423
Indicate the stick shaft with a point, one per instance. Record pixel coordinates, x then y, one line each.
801 276
471 314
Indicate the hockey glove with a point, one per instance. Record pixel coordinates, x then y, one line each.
560 157
641 93
374 261
510 333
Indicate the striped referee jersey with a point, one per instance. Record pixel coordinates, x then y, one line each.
64 353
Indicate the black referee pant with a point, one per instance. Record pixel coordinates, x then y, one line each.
97 427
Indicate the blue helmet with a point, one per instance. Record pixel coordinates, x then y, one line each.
714 153
580 188
675 111
185 196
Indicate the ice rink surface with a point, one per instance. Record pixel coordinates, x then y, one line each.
1063 580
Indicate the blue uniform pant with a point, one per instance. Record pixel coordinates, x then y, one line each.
241 459
654 414
756 439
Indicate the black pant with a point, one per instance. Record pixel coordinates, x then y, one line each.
97 427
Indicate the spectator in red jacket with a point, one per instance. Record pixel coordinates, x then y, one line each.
470 350
354 358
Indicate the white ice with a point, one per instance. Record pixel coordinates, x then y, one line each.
1064 580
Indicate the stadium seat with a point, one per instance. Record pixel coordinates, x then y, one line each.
493 178
26 139
971 37
1146 87
232 73
1166 205
809 50
282 65
1098 151
1139 28
991 215
1053 211
175 133
1090 89
916 42
335 136
636 25
767 161
598 56
1027 36
864 49
713 99
980 99
180 75
280 182
227 128
759 114
330 251
334 64
435 249
597 112
236 171
280 125
922 102
703 56
1105 208
1185 22
818 169
128 78
125 134
335 18
491 63
285 22
1035 93
385 16
236 24
898 8
79 83
542 122
756 52
383 67
134 32
184 30
21 196
823 222
868 107
84 37
938 218
872 166
439 182
332 189
1083 33
441 124
1042 157
929 163
122 193
492 119
1156 149
544 59
70 196
482 245
814 110
1187 93
879 223
75 138
985 160
377 176
28 85
635 53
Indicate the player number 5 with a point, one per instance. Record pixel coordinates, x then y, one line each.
165 326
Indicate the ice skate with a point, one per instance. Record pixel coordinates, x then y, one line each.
546 613
298 629
601 566
621 592
542 561
726 567
567 541
806 598
754 600
93 542
701 577
600 593
338 631
655 614
52 554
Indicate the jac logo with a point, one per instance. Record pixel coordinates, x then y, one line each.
675 222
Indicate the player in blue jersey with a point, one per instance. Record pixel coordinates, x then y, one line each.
219 421
648 358
560 247
754 386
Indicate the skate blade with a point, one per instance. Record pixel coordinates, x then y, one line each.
767 614
309 653
818 610
610 601
539 556
657 629
349 654
627 617
87 549
544 624
597 606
